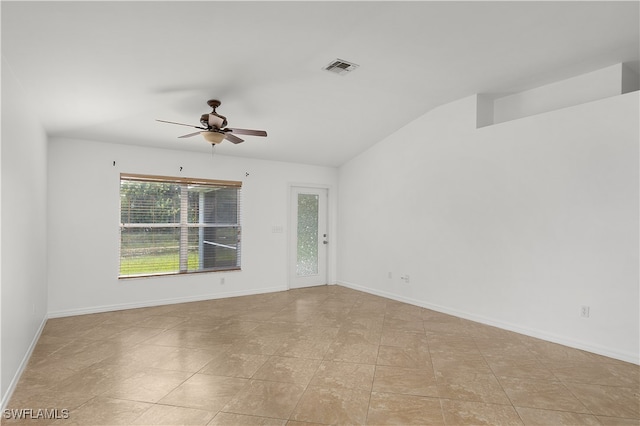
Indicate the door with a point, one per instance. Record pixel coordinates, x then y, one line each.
309 238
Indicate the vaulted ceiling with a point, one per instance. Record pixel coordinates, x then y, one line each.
105 71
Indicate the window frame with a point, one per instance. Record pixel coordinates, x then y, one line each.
183 225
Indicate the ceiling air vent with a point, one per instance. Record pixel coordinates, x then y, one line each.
340 67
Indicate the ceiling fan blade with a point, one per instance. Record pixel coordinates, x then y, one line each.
189 135
233 138
182 124
246 132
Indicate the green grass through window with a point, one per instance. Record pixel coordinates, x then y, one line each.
155 264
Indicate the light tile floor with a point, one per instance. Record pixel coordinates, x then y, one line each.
322 355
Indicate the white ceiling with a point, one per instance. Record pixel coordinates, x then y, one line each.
105 70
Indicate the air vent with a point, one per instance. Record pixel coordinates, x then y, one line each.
340 67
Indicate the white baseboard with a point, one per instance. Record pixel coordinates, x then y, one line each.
160 302
23 364
539 334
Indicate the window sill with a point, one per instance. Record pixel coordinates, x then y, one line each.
173 274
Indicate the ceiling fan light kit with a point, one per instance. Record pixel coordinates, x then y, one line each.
213 137
215 128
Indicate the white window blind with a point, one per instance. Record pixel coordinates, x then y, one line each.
171 225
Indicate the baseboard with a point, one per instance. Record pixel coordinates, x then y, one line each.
160 302
23 364
539 334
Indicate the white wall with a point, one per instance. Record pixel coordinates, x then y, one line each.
517 225
84 216
24 208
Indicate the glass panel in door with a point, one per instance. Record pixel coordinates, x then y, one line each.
307 249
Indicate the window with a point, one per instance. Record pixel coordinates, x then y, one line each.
171 225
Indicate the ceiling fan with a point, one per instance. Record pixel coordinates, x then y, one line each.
214 127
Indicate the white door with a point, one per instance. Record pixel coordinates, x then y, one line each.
309 238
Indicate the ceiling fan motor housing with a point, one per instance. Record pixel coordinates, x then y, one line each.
213 120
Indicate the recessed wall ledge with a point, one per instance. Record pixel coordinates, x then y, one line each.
614 80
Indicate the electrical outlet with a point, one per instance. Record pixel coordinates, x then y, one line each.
584 311
222 281
389 275
406 279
